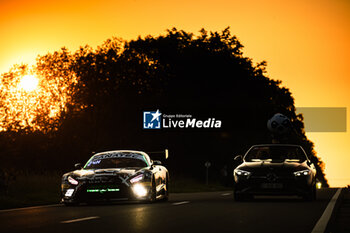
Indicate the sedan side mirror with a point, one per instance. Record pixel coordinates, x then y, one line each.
78 166
309 163
239 158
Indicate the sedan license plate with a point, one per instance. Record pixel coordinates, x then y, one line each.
271 185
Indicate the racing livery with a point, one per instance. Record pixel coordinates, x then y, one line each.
116 175
275 169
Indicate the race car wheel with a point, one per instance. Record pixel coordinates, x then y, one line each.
166 190
153 194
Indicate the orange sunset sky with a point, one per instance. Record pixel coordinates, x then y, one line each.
306 43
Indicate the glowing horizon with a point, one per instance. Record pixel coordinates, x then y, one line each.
305 43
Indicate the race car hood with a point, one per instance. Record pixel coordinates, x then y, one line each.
105 172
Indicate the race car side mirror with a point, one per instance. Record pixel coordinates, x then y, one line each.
157 162
78 166
239 158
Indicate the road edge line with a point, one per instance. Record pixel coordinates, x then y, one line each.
180 203
30 207
322 223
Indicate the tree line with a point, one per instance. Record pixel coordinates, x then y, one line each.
107 89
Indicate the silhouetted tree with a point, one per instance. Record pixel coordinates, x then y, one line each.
205 75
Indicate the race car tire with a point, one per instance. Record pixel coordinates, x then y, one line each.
153 194
166 190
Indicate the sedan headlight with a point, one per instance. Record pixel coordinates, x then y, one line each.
239 172
318 185
302 173
72 181
136 179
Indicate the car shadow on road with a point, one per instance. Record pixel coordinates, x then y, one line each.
116 203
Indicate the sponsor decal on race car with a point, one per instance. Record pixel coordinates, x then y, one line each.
118 155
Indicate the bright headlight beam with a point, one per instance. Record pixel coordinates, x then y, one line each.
242 173
302 173
318 185
139 190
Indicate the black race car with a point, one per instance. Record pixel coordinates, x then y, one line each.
116 175
274 169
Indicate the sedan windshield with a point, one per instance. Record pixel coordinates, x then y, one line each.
275 154
99 163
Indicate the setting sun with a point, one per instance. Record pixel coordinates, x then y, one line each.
34 100
29 83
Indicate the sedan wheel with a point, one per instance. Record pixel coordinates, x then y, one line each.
311 195
238 197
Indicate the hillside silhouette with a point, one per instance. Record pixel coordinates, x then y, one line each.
205 75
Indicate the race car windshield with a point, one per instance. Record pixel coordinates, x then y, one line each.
99 163
275 154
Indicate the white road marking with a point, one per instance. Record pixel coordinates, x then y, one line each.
226 194
321 225
80 219
31 207
181 203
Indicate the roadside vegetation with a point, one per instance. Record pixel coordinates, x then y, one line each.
41 189
26 189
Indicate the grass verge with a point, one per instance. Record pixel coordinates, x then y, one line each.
30 190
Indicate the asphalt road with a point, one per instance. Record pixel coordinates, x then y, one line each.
192 212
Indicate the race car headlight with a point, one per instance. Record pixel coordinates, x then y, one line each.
136 179
72 181
302 173
139 190
242 173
